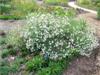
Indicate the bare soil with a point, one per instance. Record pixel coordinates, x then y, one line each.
6 25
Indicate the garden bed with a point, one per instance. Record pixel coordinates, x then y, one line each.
18 48
52 42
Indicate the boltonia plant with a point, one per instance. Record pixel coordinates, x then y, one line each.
58 37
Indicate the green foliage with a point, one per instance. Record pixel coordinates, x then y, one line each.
58 10
4 8
7 68
5 53
91 4
7 17
2 40
14 38
23 7
4 70
98 13
16 64
54 67
4 1
53 70
34 64
86 2
16 9
96 2
56 2
38 66
14 68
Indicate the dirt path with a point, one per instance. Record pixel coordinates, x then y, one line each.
81 66
40 2
6 25
73 5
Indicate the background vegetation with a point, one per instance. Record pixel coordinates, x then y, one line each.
16 9
91 4
56 2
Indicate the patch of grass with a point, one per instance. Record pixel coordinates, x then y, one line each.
11 17
5 53
4 70
2 40
56 2
89 6
34 64
17 9
4 8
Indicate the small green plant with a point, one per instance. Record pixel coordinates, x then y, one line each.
12 52
13 38
98 13
13 17
4 70
5 6
2 40
58 10
4 67
16 64
53 68
23 7
40 66
34 64
5 9
16 44
5 53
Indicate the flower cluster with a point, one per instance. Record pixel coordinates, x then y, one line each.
58 36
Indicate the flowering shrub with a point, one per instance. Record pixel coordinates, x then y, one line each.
58 36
